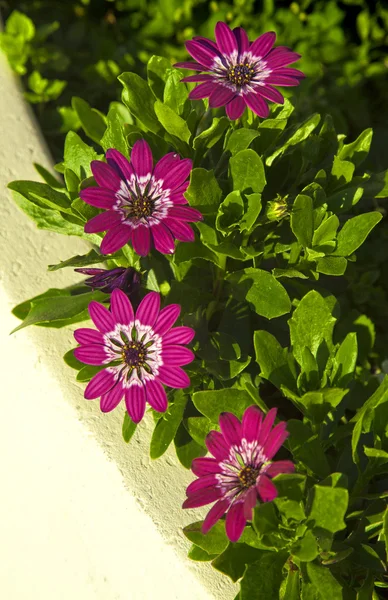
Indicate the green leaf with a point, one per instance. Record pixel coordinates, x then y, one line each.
52 181
319 404
332 265
289 500
78 155
326 231
345 361
114 136
158 68
302 220
199 427
247 171
139 100
252 204
358 150
129 428
306 447
311 324
342 172
265 518
302 133
324 582
328 504
214 542
306 548
175 92
273 360
204 192
292 591
81 260
262 290
167 426
211 403
186 447
230 212
19 24
233 561
172 123
240 139
196 553
385 530
354 232
363 417
42 195
263 578
92 121
269 131
209 137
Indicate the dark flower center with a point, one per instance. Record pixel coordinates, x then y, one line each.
141 206
241 74
134 355
248 476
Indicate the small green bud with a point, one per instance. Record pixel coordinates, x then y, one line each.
276 209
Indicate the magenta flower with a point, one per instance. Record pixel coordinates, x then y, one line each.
240 73
141 351
241 471
144 205
107 280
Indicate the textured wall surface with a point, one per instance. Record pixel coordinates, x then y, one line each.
83 516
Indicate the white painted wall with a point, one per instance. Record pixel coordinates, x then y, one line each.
83 516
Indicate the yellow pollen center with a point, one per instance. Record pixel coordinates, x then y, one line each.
241 74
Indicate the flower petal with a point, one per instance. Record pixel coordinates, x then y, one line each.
216 444
250 502
203 90
251 423
116 238
289 73
257 104
207 481
141 159
280 57
270 93
167 318
103 221
214 515
177 355
156 395
242 40
267 426
193 66
278 467
205 466
92 354
98 197
105 175
135 401
202 497
178 335
121 307
84 335
174 377
141 240
177 174
100 384
203 53
101 317
235 108
163 240
275 440
111 399
235 521
266 489
226 40
231 428
148 309
120 163
163 166
185 213
180 230
260 47
221 96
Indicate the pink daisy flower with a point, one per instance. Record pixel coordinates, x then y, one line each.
141 352
143 205
241 472
240 73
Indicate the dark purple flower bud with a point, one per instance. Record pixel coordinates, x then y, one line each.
107 280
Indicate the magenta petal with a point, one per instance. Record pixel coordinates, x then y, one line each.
242 40
177 355
156 395
280 466
179 335
121 307
193 66
203 53
177 198
111 399
84 335
202 497
103 221
214 515
231 428
270 93
250 502
174 377
163 240
235 521
167 318
92 355
101 317
266 488
164 165
226 40
141 159
100 384
216 444
206 42
203 90
98 197
185 213
280 57
205 466
120 163
235 108
148 309
289 73
198 78
275 440
177 174
180 230
251 423
260 47
141 240
276 79
135 401
221 96
267 426
116 238
105 176
207 481
257 104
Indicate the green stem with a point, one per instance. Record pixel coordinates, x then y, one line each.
217 286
